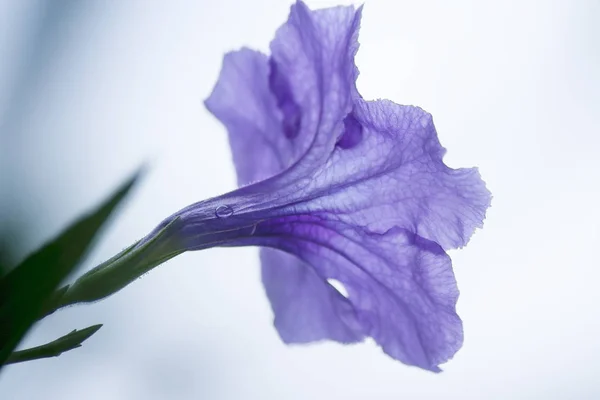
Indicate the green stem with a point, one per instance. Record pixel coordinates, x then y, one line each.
70 341
113 275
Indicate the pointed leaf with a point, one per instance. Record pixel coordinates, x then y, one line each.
26 288
70 341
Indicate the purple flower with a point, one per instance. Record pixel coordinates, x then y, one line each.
344 189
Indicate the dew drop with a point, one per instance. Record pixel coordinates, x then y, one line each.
223 211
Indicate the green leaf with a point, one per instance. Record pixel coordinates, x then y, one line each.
70 341
26 290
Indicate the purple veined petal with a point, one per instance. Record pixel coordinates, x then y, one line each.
288 109
395 177
306 307
243 102
380 164
401 286
315 51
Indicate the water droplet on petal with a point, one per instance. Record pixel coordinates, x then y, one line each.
223 211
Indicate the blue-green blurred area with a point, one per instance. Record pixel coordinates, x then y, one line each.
89 90
39 38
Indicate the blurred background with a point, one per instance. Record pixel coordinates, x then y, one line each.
89 90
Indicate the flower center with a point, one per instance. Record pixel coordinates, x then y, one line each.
280 88
353 132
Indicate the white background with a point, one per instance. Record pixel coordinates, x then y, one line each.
90 90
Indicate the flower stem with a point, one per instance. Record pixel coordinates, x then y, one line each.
68 342
118 272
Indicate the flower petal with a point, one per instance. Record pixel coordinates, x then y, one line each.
306 307
401 286
314 51
242 101
375 164
395 177
288 109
